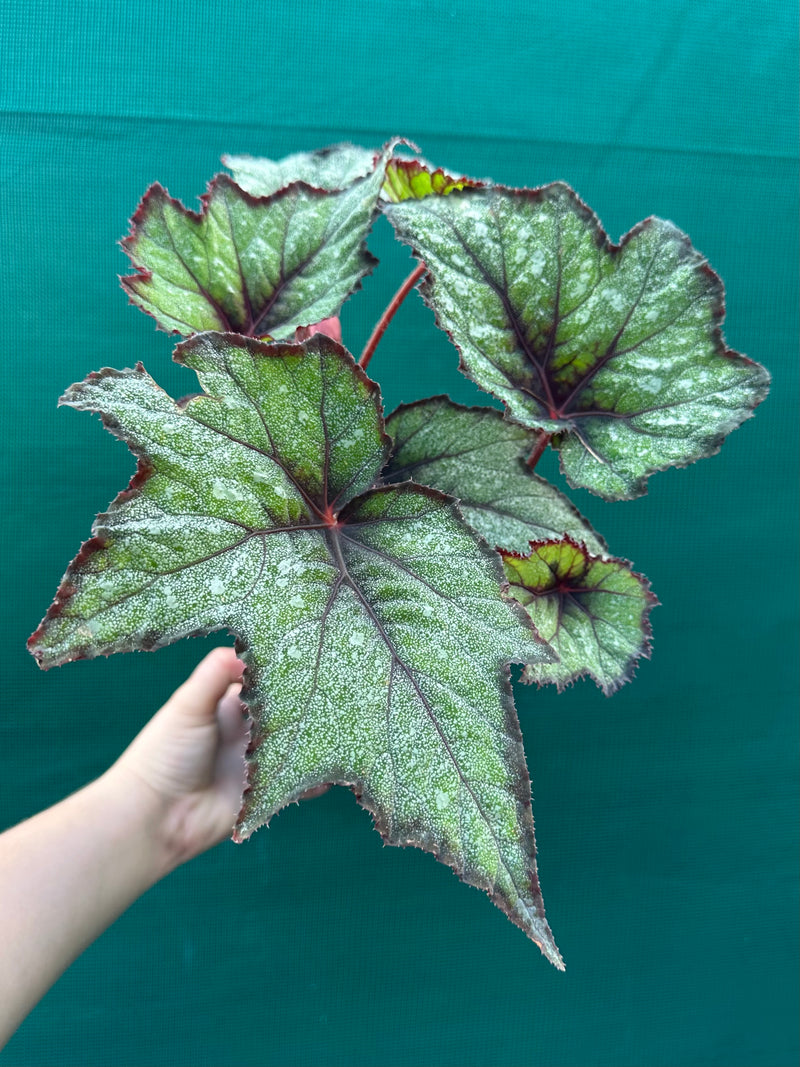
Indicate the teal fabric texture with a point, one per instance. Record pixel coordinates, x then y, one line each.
666 815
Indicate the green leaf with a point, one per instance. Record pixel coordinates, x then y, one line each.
615 350
371 621
594 612
475 455
254 266
334 167
412 179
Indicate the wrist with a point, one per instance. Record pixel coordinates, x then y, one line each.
137 817
162 825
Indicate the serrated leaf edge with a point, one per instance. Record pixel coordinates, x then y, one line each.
604 244
520 787
386 149
646 648
131 282
503 416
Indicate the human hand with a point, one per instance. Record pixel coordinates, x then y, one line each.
68 872
190 758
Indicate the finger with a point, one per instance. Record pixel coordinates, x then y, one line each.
234 733
232 716
199 695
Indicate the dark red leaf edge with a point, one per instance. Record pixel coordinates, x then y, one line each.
319 153
419 165
387 477
67 589
521 786
144 470
604 244
389 145
156 195
646 646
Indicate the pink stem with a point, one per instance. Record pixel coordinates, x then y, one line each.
389 314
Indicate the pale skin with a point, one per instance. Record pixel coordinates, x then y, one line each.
67 873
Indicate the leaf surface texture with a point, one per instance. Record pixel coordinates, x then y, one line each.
476 455
614 350
370 618
334 167
258 266
594 612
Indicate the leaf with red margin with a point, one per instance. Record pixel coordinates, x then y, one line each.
338 166
616 351
333 167
593 611
370 618
476 456
256 266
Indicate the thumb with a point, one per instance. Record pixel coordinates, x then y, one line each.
196 700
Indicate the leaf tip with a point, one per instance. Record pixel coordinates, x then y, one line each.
38 643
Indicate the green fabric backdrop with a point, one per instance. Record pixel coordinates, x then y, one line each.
666 816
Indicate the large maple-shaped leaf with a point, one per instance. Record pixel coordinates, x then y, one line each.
334 167
614 350
370 620
476 455
252 265
594 612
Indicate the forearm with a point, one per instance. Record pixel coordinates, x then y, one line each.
67 874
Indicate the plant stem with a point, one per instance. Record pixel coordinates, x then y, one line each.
389 314
542 441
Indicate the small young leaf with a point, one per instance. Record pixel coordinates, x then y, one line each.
411 179
371 620
594 612
255 266
615 350
475 455
334 167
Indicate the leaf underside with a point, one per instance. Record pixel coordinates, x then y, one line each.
412 179
369 617
476 456
614 350
594 612
258 266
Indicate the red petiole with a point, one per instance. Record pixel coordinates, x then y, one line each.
389 314
541 443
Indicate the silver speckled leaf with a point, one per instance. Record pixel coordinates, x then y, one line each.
370 620
594 612
476 456
256 266
334 167
615 350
